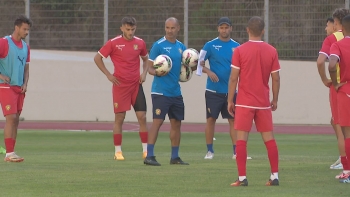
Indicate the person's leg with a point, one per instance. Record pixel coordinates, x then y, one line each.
337 129
176 115
263 122
117 135
140 108
213 105
243 123
160 109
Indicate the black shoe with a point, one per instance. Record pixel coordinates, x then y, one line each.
273 182
151 160
178 161
240 183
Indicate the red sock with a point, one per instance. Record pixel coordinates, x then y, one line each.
143 136
9 145
272 152
344 162
14 143
347 150
117 139
241 157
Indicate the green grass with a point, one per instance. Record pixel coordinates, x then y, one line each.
61 163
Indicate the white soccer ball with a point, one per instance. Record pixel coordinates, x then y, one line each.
162 64
185 73
190 57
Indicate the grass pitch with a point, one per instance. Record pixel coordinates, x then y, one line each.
62 163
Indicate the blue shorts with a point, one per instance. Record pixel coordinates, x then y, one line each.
173 106
216 103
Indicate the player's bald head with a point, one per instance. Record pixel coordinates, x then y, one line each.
172 20
256 25
346 23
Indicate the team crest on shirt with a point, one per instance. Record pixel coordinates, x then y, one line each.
158 111
180 50
8 107
209 110
136 47
233 50
116 105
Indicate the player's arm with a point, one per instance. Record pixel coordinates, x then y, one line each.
3 53
203 56
100 64
333 60
321 61
275 89
144 68
232 86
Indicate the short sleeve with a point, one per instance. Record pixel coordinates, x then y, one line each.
335 50
144 49
206 48
4 47
236 62
106 50
154 52
275 64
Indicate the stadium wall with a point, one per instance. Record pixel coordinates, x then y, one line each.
68 86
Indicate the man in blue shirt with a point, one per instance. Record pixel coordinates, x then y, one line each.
166 93
219 53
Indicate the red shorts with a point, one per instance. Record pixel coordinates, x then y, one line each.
334 104
11 99
344 110
244 119
124 96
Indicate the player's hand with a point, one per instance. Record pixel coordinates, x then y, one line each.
202 63
143 77
6 79
24 88
336 87
273 105
213 77
327 82
113 79
231 108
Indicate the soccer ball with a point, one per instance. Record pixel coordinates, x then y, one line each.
162 64
185 73
190 57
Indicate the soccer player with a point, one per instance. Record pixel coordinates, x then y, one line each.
340 76
14 76
125 51
166 93
252 63
219 52
324 53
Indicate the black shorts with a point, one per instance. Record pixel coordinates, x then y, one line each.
216 103
173 106
140 103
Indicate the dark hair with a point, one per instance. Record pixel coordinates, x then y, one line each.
129 21
256 25
340 13
330 19
23 19
346 23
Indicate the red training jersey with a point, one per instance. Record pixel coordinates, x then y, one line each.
4 47
341 50
256 60
125 55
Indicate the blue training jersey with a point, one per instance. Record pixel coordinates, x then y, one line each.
219 54
13 64
168 85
